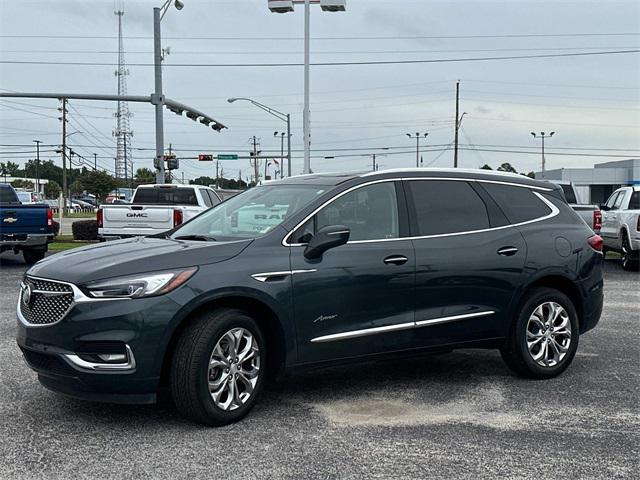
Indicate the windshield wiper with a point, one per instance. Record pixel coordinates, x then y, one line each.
202 238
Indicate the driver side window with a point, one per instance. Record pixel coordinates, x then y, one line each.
370 213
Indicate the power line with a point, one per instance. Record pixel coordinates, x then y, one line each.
392 37
329 64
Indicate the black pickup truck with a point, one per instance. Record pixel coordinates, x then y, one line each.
24 228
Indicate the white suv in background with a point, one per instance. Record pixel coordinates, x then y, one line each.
621 225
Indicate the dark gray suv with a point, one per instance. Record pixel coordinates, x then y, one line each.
314 270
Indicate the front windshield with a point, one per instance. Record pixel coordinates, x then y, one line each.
252 213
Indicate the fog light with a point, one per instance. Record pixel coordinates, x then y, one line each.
113 357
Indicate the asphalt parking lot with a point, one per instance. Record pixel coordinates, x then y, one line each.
460 415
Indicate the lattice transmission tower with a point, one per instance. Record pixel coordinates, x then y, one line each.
122 132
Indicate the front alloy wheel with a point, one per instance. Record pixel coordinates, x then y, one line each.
217 368
234 368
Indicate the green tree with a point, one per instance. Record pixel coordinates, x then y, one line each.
96 182
206 181
507 167
27 184
144 176
13 169
52 189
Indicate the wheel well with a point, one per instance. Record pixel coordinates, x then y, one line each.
562 284
266 318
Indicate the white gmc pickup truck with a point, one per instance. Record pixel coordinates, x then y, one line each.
154 209
621 225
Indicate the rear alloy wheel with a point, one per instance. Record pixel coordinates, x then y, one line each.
544 337
217 369
629 259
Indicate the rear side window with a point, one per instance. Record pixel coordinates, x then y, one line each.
446 206
634 203
166 196
612 199
213 197
205 197
519 204
618 201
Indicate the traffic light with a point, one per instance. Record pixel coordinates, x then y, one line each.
205 158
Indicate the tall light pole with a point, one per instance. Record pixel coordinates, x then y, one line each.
157 98
285 117
417 136
542 136
285 6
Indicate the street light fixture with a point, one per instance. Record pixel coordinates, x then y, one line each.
417 136
285 117
542 136
286 6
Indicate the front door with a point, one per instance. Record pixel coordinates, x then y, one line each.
357 299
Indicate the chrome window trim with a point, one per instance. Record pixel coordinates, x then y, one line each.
80 364
78 297
398 326
554 210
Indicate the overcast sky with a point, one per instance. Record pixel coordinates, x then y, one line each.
591 101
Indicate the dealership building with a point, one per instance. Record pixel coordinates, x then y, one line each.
594 185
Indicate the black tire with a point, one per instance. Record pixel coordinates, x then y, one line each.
629 259
190 366
33 256
515 352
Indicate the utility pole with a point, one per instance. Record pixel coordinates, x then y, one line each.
157 97
65 193
417 136
455 150
543 136
95 162
217 177
281 135
374 162
37 142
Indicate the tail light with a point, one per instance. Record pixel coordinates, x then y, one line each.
597 220
177 217
99 218
595 242
49 218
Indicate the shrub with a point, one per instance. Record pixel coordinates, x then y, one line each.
55 227
85 230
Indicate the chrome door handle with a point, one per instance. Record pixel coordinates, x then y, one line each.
396 260
507 251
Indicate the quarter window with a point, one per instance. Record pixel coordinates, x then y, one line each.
370 213
614 196
634 203
446 206
205 197
520 204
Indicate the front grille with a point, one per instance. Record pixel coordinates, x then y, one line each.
43 302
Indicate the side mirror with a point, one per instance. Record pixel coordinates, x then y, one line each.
327 237
603 207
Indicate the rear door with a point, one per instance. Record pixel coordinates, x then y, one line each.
467 267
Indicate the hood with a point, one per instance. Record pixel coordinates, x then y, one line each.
132 256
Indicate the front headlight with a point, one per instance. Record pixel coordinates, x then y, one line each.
137 286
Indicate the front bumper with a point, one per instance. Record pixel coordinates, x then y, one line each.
63 353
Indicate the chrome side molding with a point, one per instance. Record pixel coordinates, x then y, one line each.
399 326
